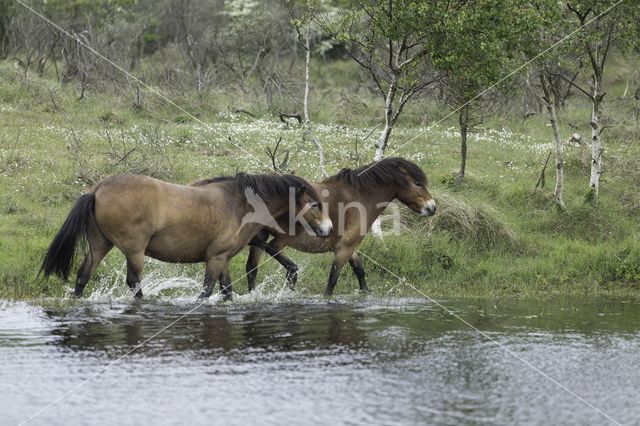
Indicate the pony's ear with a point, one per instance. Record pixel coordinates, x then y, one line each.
301 191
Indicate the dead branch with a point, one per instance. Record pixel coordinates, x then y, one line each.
279 166
283 117
541 179
243 111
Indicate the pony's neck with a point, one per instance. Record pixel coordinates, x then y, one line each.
377 199
381 194
263 212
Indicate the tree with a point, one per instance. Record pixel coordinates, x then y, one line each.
303 27
551 30
550 100
386 39
604 25
7 14
476 45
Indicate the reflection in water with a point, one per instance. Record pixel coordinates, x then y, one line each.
360 361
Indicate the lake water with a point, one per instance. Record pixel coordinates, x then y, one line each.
301 360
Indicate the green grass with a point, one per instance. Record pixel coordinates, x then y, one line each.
493 235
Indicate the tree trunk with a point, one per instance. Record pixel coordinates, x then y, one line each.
463 120
553 118
381 146
307 119
596 143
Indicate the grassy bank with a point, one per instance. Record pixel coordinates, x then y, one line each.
493 235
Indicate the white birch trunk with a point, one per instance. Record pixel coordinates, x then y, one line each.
307 118
596 143
381 146
553 118
559 188
376 228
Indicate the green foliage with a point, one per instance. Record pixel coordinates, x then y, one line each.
387 39
611 22
151 36
590 197
475 44
628 266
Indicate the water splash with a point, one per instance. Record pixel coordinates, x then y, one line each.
180 287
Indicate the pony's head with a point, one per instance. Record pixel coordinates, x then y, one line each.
405 180
313 212
414 193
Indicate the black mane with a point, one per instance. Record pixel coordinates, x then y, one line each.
265 186
216 179
384 172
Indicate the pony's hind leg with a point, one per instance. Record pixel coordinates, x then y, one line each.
358 270
252 266
135 265
99 246
292 268
274 248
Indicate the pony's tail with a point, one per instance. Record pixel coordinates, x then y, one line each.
61 252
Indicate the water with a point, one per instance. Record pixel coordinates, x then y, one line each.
301 360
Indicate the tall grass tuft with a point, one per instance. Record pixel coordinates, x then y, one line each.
474 222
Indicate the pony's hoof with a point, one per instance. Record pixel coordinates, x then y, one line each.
227 297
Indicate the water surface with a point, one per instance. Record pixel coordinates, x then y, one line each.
297 360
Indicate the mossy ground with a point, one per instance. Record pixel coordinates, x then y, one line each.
494 233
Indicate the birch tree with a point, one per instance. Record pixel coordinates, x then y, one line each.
550 102
551 28
387 39
478 44
605 25
303 26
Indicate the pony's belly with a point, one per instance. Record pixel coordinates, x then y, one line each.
169 250
311 244
164 256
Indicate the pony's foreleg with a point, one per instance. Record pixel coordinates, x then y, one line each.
225 283
215 267
341 256
135 265
358 270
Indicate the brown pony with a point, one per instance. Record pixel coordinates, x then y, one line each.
355 199
202 222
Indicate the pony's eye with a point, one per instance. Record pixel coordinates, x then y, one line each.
313 205
418 183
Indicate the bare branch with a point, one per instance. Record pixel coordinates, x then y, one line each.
573 84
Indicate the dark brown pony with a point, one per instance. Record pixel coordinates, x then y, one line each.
202 222
355 199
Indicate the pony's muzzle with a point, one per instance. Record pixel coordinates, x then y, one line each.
324 229
429 209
